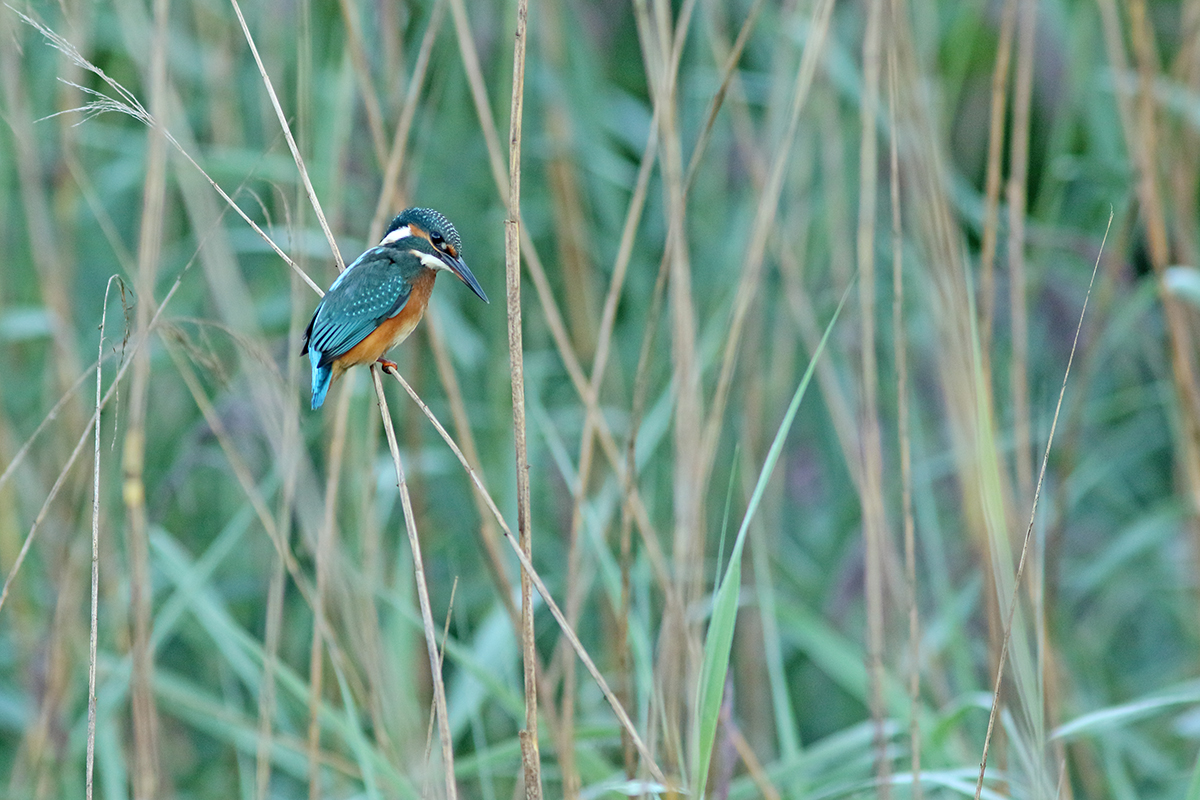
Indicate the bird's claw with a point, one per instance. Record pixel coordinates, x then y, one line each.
388 366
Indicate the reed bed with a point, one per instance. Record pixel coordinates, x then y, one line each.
838 433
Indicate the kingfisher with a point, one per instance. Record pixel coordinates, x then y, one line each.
378 300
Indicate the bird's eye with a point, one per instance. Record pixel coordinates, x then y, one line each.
437 239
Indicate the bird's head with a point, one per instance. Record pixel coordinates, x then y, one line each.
434 228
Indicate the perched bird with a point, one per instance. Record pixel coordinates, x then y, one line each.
378 300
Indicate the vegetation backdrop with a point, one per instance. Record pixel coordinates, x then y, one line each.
792 589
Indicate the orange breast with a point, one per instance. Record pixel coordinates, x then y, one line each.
393 331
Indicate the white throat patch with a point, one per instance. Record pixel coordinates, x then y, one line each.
433 262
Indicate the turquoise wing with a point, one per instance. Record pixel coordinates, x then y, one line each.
371 290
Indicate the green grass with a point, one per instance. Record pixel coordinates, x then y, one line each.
728 612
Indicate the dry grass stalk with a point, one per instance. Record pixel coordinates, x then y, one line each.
94 631
1145 150
875 533
325 553
540 586
134 345
441 659
900 349
146 777
1016 595
530 758
1017 178
679 647
991 194
553 316
410 525
388 199
362 74
287 132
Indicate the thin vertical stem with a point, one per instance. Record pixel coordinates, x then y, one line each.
1016 190
900 345
326 541
414 541
871 452
530 758
991 202
145 716
95 624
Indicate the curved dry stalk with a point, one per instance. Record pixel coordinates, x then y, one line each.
1016 596
51 416
527 566
441 660
93 635
129 105
410 525
553 316
287 132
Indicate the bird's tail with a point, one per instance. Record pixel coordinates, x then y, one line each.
321 376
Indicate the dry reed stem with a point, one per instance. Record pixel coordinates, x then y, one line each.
441 660
538 584
1018 175
586 452
308 187
530 758
94 631
608 315
395 159
53 267
728 78
1180 342
874 520
134 345
462 426
762 781
362 74
51 416
410 525
146 769
553 316
679 648
129 105
245 479
1016 594
326 539
991 195
900 350
764 217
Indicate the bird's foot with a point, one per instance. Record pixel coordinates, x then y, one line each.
388 366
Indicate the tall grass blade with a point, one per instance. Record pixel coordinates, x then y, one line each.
718 639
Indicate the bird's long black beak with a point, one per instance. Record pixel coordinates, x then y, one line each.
459 268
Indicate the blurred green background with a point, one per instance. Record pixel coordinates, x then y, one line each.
228 511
